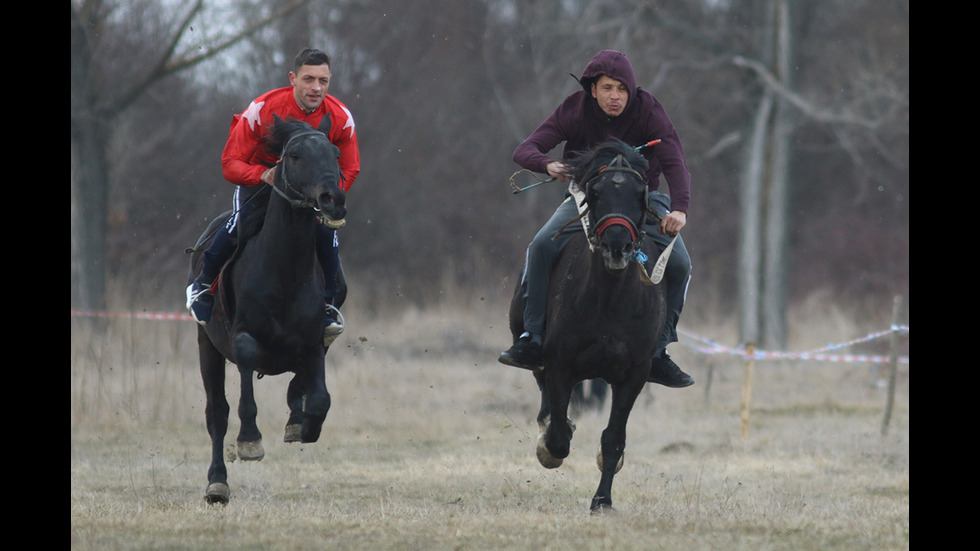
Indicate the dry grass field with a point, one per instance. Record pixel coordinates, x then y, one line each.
429 444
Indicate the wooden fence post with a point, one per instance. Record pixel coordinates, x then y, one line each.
892 364
747 387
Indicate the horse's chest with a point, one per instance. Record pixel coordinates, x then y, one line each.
277 319
606 307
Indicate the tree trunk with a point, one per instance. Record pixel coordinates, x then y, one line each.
765 196
777 227
750 236
89 194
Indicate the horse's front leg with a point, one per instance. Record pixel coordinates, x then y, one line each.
294 399
554 443
216 416
249 438
545 410
614 442
317 401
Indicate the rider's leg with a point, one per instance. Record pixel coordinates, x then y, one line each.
200 299
328 253
541 256
677 276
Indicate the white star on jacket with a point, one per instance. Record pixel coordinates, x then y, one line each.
350 121
252 114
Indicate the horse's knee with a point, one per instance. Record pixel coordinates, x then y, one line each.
245 349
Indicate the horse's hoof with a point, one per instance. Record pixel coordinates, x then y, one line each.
601 508
250 451
293 433
547 460
598 461
217 493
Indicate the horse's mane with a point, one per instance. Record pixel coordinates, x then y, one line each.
277 137
584 165
280 131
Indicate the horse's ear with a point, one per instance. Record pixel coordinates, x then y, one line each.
325 124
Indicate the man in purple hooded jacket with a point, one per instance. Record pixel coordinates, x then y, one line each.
610 105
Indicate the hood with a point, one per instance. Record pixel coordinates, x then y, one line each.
614 65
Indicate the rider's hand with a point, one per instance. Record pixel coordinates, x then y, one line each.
672 223
558 171
269 176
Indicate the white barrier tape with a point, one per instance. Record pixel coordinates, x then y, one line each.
709 348
712 348
129 315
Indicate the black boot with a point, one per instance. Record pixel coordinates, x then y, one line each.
664 371
526 354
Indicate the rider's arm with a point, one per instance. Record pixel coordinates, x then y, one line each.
239 164
532 153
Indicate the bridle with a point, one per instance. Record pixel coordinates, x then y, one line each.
620 168
282 186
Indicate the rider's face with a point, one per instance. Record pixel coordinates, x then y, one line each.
611 95
310 85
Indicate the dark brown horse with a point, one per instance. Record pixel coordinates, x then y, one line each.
269 304
603 320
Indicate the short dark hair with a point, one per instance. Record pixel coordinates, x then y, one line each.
310 56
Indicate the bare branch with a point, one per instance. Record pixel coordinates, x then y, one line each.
813 111
168 64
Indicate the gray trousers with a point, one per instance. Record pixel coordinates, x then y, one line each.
543 252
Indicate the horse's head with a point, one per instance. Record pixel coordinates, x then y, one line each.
308 174
616 192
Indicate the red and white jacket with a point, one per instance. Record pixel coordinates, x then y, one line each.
246 156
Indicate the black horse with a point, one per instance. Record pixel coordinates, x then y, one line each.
603 320
269 303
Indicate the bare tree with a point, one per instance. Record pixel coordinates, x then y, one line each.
119 51
443 90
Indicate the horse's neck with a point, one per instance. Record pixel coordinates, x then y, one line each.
608 288
288 236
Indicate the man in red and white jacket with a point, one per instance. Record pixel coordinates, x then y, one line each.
248 163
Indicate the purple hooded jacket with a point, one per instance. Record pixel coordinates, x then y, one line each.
581 124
